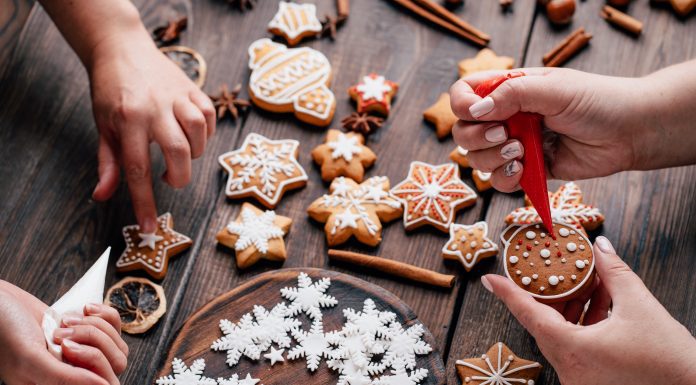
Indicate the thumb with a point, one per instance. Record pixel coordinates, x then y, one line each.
620 281
109 172
540 320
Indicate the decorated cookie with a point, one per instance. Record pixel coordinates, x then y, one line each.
140 303
293 22
441 116
552 270
482 180
498 366
256 234
374 94
566 207
431 195
469 244
264 169
343 155
151 252
352 209
291 80
485 60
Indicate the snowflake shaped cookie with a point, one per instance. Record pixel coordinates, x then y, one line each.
374 94
264 169
432 194
256 234
566 207
343 154
184 375
405 344
151 252
312 345
352 209
237 340
400 376
469 244
308 297
498 366
235 380
273 326
295 21
482 180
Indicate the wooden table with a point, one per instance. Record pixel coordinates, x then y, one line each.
51 231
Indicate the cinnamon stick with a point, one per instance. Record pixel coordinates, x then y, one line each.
343 8
444 13
481 40
570 46
621 20
395 268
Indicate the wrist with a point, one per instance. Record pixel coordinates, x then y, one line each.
645 129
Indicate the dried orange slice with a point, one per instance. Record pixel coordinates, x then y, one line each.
139 302
189 60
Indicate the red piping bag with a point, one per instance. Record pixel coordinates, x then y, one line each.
526 127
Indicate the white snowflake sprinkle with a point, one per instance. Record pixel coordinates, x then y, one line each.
400 376
273 326
235 380
312 345
237 340
405 344
184 375
308 297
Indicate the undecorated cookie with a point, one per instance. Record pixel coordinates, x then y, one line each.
441 116
485 60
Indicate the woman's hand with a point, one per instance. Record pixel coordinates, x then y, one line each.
93 350
626 337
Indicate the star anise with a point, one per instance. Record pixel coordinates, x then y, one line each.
168 33
228 101
362 123
242 5
330 25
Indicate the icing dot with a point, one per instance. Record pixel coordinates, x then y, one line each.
571 246
510 357
563 232
468 255
531 264
580 264
529 247
517 247
545 253
518 272
542 288
547 244
561 278
563 260
582 247
556 244
536 242
587 262
467 379
526 281
553 280
514 259
530 382
525 254
473 244
453 246
536 227
486 245
530 234
548 262
535 276
573 277
572 231
543 235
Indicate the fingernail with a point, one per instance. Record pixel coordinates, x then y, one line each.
486 283
72 345
496 134
71 320
482 107
149 225
511 150
604 245
63 333
91 308
512 168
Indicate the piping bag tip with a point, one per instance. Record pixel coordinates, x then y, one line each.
526 127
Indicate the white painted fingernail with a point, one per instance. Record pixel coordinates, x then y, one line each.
512 168
486 283
482 107
495 134
511 150
604 245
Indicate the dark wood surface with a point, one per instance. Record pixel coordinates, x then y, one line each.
51 231
201 329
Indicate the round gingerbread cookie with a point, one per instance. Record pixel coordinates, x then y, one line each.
552 270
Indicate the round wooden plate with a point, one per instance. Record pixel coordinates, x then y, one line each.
201 329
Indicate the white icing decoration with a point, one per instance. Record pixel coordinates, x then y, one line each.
312 345
548 262
525 254
487 246
255 230
580 264
514 259
518 272
542 288
273 327
573 277
289 19
149 240
561 278
553 280
405 344
571 246
545 253
345 147
526 281
498 374
184 375
543 235
400 376
308 297
582 247
530 234
237 340
373 87
235 380
535 276
563 232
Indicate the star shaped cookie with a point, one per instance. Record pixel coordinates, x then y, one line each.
255 235
498 366
151 252
343 154
485 60
441 116
432 194
469 244
293 22
352 209
374 94
482 180
264 169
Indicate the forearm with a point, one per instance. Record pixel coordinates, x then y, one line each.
669 136
87 24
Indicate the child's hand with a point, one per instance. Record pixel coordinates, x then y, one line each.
597 122
140 96
92 346
637 342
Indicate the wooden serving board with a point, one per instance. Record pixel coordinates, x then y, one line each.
201 329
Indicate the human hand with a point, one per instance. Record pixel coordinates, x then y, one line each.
93 350
595 122
637 342
140 96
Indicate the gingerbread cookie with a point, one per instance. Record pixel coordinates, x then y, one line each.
264 169
482 180
441 116
552 270
151 252
294 22
498 366
256 234
485 60
374 94
432 194
291 80
469 244
566 207
683 7
343 155
352 209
